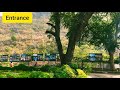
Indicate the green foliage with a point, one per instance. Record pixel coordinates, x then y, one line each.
39 74
103 30
54 69
69 71
17 74
81 74
45 68
24 74
46 71
84 50
2 76
14 74
117 60
62 72
74 65
67 18
20 67
23 67
5 68
11 75
13 38
58 72
87 68
7 49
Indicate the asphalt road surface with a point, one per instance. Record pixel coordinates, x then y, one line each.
103 75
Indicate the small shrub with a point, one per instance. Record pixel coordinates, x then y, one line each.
74 66
12 75
45 68
53 69
24 74
23 67
47 71
9 76
61 74
69 71
1 67
39 74
58 72
16 74
13 38
87 68
117 61
20 67
2 76
81 74
5 68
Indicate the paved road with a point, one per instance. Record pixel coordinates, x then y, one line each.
103 75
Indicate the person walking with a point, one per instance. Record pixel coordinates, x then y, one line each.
11 64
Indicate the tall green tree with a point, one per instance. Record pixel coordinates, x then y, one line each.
103 31
76 23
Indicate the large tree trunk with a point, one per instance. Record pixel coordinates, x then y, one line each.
60 50
111 60
70 50
79 27
57 37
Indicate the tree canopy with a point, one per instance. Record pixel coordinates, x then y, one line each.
103 30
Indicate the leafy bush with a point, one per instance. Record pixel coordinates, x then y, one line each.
2 76
39 74
16 74
117 61
1 67
9 76
74 66
87 68
81 74
13 38
20 67
33 74
53 69
46 71
61 74
5 68
45 68
23 67
24 74
69 71
58 72
12 75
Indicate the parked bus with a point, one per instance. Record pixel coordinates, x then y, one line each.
4 58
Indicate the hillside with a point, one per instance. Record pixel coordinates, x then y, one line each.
31 38
27 38
41 14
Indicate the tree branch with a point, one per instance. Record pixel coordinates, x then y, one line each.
50 32
51 25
